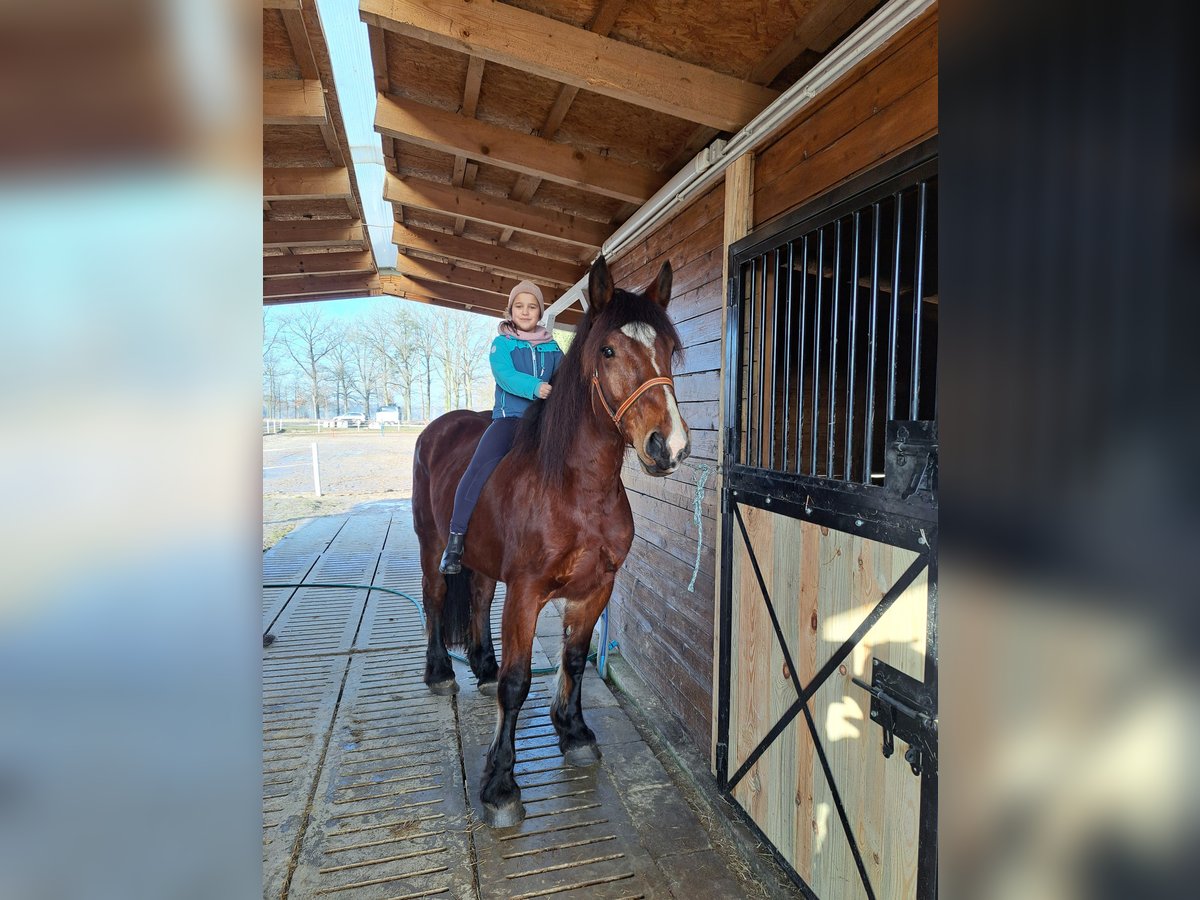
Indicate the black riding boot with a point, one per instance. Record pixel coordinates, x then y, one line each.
452 559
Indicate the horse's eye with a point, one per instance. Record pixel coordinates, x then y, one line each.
608 352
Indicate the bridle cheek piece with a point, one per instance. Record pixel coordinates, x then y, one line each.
624 407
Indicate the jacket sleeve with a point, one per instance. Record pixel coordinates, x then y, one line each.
506 374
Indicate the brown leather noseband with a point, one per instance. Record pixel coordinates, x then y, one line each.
624 407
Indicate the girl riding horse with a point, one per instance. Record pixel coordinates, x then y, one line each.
553 520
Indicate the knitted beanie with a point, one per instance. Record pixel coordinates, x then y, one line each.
525 287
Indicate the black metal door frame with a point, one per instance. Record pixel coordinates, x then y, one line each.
865 510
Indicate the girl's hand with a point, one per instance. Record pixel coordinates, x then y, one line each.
543 390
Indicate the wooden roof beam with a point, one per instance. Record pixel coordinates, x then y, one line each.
318 264
552 49
306 183
465 296
514 262
432 294
526 185
419 194
451 273
449 132
293 102
315 285
313 233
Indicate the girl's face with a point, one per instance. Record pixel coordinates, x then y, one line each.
525 311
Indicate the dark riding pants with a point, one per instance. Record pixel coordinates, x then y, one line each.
495 442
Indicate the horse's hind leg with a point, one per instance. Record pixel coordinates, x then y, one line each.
481 654
576 741
500 794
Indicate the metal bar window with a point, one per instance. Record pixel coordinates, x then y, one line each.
838 336
850 353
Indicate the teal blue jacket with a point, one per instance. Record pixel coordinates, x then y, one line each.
519 369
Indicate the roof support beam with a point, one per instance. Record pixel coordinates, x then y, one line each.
522 265
449 132
466 297
552 49
397 286
459 202
307 184
316 285
450 273
318 264
314 233
288 102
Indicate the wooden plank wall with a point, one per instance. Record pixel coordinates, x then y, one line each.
884 105
666 633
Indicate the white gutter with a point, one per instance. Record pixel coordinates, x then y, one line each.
711 162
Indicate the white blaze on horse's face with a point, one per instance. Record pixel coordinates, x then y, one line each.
677 440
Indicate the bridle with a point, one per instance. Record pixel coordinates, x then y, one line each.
624 407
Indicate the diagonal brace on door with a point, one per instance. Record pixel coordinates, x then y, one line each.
804 694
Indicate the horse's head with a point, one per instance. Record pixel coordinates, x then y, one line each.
628 354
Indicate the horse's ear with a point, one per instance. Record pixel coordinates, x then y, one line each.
600 286
660 291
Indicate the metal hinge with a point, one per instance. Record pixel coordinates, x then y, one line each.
904 708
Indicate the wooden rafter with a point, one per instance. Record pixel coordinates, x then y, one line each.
523 265
291 102
316 233
451 133
316 285
552 49
464 171
419 194
449 273
527 185
468 297
433 294
306 183
318 264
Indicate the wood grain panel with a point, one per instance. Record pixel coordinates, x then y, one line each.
823 584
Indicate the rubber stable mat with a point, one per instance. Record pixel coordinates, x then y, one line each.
299 699
390 818
371 782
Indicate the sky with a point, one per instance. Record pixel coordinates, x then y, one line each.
350 53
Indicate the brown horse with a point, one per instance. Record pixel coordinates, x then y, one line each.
553 520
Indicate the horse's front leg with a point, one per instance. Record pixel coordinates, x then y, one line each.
500 794
576 741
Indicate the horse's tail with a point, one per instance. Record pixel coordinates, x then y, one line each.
456 609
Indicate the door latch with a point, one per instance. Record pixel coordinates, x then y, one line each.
904 708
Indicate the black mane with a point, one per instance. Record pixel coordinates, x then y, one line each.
549 428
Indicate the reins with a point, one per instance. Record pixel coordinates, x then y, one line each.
624 407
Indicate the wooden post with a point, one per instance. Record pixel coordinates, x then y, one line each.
739 221
316 471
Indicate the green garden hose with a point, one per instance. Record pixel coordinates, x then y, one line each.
536 670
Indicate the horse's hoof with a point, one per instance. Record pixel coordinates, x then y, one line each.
510 814
582 756
444 688
489 687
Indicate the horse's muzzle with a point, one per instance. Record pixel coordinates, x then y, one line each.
661 460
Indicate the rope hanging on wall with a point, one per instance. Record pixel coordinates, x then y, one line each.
697 500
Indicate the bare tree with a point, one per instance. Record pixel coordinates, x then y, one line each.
426 350
365 365
309 337
339 367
